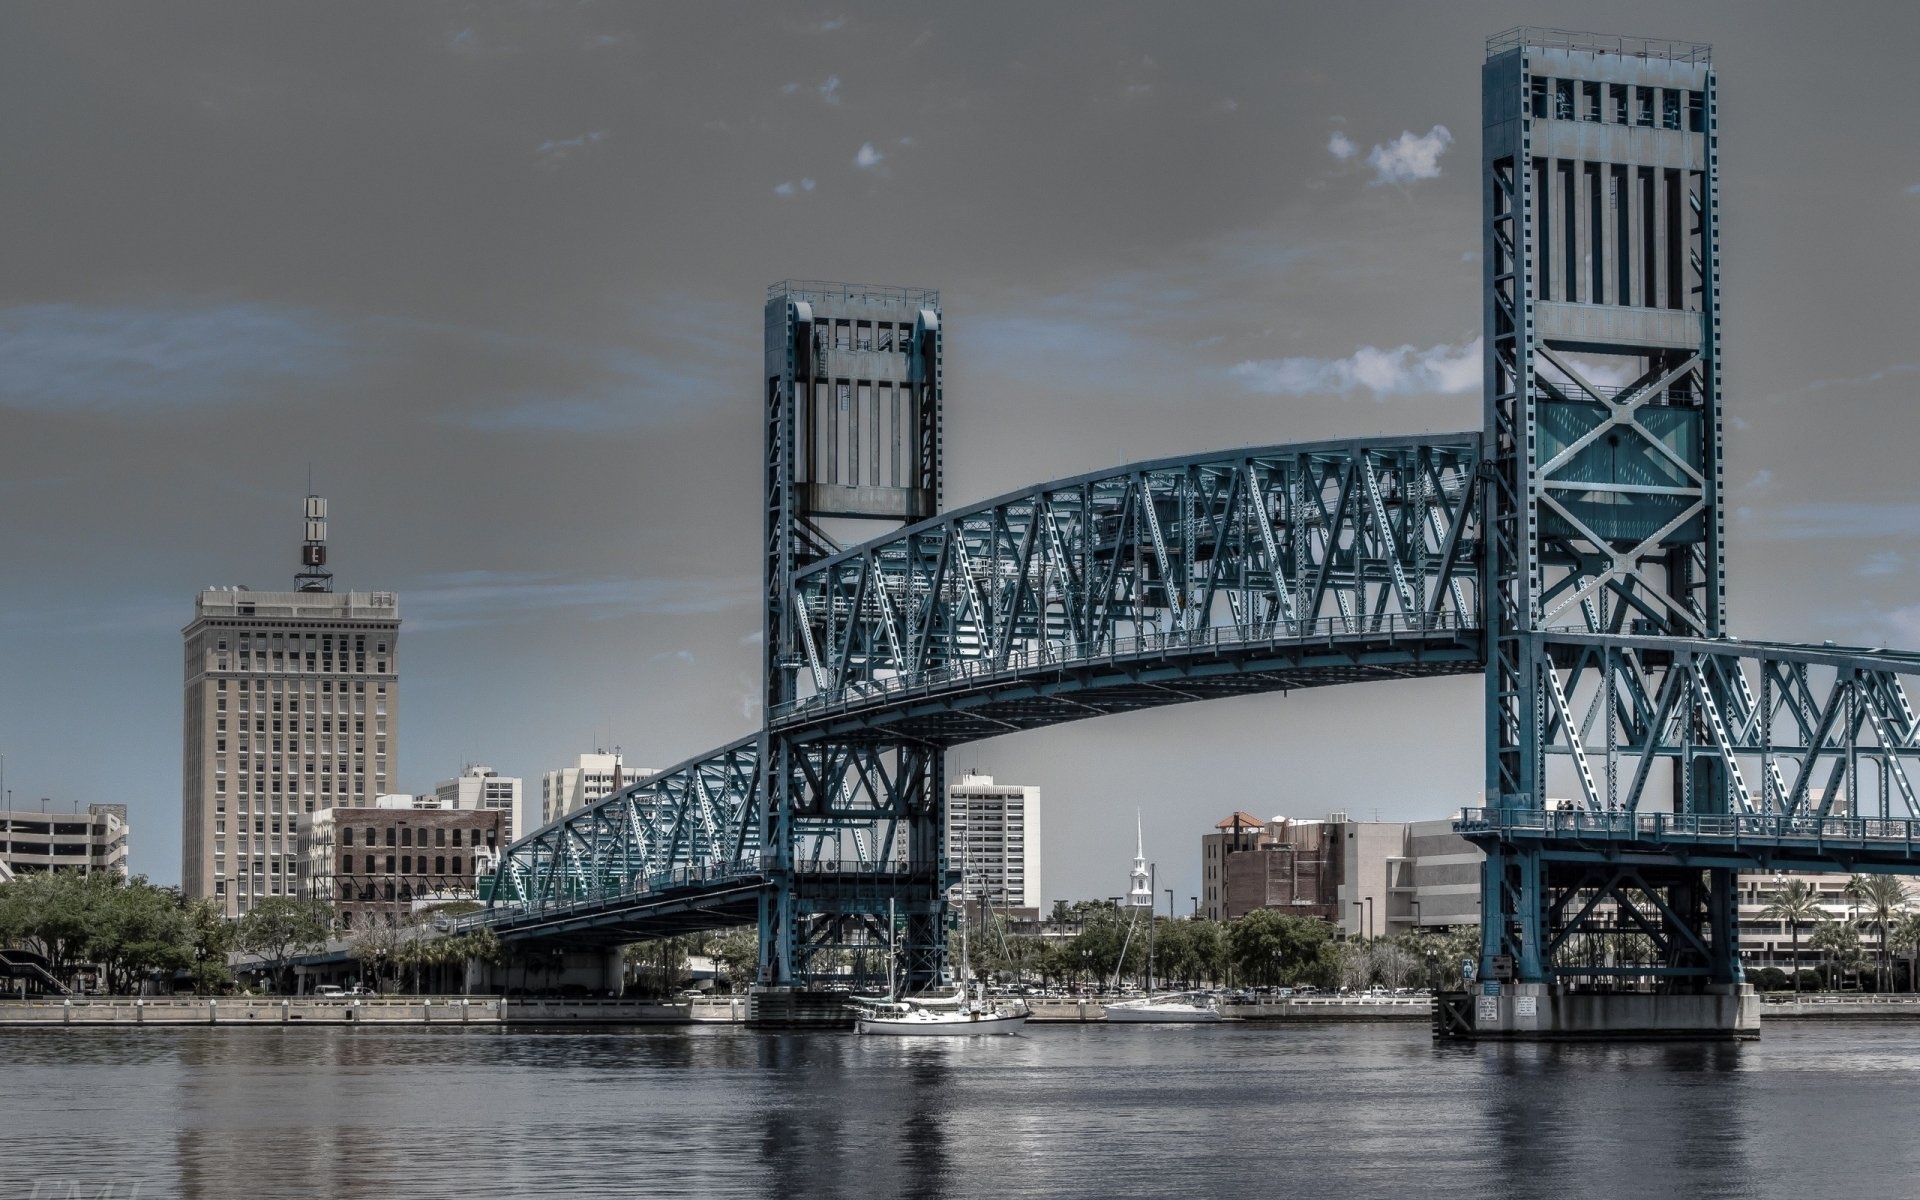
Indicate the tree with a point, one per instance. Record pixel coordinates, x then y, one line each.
660 964
374 947
1796 903
1839 941
1882 897
281 928
209 937
139 929
1906 932
1270 948
57 914
736 954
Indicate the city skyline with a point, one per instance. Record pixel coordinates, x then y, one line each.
1294 256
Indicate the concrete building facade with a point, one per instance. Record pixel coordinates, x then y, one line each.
95 840
1368 878
292 707
593 777
993 835
382 864
482 789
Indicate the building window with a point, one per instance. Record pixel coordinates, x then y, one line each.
456 864
389 864
439 864
406 864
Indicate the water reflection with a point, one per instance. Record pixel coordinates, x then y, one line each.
351 1114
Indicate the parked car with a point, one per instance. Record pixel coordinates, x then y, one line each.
358 990
328 991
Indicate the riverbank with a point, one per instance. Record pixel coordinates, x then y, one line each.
386 1010
1850 1007
1330 1008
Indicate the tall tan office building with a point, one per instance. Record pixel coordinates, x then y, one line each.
292 706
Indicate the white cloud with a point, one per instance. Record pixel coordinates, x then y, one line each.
1886 562
1410 157
783 189
1341 146
1913 189
867 157
553 150
1446 370
788 187
806 185
830 90
790 88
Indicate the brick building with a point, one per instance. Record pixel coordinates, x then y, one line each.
384 864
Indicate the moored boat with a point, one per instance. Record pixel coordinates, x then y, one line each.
1168 1008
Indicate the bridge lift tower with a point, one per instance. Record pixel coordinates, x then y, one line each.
1605 514
852 830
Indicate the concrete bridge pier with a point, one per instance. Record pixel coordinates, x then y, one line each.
1539 1012
797 1008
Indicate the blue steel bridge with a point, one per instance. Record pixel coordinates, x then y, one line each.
1570 551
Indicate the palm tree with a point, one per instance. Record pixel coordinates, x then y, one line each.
1839 942
1906 932
1883 897
1796 903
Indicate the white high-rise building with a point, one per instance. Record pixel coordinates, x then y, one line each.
993 837
482 789
595 776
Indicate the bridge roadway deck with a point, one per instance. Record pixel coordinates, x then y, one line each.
687 902
1051 684
1742 841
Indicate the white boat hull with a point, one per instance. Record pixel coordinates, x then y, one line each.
1162 1014
943 1024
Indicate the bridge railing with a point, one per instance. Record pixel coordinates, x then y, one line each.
1150 644
1654 827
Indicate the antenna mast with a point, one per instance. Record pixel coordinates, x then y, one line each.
313 575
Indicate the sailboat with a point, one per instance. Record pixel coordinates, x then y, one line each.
967 1012
1167 1008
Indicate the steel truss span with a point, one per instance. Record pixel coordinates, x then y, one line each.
1182 579
1680 761
1154 584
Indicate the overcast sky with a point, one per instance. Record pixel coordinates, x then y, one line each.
495 273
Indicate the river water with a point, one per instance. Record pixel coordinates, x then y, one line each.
1062 1111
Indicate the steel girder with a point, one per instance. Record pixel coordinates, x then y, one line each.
1681 761
1368 548
695 824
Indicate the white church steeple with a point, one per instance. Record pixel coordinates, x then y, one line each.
1140 895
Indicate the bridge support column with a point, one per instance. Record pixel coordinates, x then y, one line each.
1510 926
1723 914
